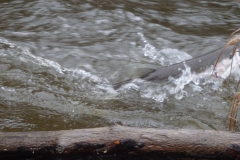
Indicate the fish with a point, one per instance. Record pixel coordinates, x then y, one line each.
197 63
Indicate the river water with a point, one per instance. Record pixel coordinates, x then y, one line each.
59 58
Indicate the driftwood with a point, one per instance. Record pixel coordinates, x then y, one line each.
122 141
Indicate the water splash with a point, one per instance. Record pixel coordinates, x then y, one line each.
165 56
228 65
150 51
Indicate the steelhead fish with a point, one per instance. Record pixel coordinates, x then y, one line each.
195 64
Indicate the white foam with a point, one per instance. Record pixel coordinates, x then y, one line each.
133 17
174 55
152 93
8 89
107 32
4 41
165 56
227 66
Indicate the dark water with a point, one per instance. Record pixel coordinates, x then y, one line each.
59 58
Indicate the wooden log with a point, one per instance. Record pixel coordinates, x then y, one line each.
120 140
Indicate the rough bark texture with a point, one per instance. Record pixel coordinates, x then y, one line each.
119 140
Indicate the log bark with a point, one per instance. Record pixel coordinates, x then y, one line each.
120 140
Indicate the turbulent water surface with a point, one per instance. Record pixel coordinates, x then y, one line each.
59 58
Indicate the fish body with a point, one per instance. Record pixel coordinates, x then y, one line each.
195 64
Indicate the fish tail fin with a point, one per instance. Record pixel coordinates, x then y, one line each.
141 73
119 84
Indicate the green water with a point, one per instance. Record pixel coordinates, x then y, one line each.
59 58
